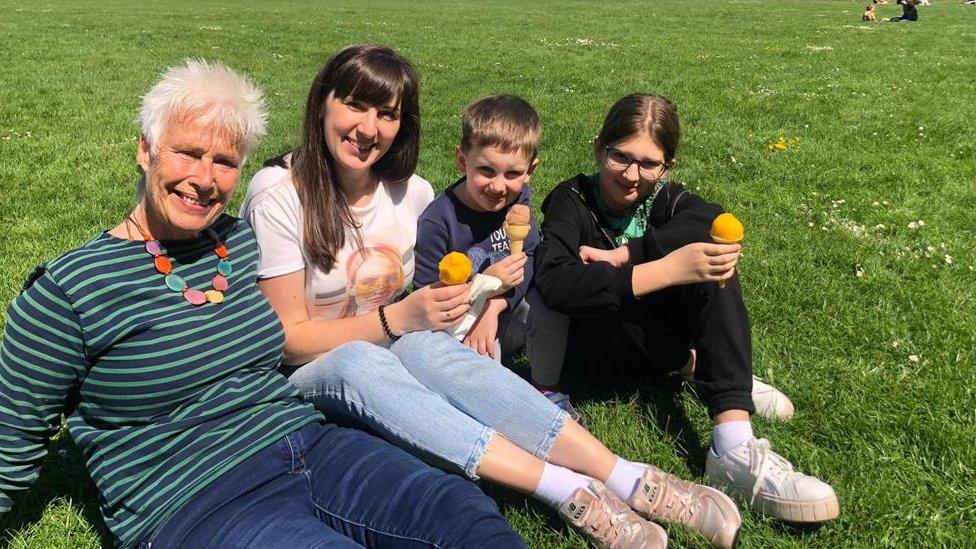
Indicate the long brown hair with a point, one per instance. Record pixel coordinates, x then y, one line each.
637 113
374 75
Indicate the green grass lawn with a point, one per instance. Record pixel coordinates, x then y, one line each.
858 268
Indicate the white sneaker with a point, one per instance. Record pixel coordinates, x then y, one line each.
754 474
770 402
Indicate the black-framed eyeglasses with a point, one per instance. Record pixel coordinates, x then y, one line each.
619 162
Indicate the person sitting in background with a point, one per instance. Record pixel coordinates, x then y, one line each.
155 342
909 12
869 12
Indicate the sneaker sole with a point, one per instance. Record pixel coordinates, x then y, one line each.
801 512
820 510
735 540
794 511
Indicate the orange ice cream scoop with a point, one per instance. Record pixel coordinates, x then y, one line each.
455 268
726 229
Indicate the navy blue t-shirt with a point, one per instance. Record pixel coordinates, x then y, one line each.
447 225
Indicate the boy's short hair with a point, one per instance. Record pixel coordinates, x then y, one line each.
504 121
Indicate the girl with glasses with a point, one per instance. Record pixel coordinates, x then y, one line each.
627 256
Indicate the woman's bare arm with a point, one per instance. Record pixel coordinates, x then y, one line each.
428 308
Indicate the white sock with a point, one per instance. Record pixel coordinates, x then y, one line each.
726 436
624 478
558 484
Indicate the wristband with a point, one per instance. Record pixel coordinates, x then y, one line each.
386 326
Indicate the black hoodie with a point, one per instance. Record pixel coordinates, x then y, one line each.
572 219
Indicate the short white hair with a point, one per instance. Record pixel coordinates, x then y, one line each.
204 91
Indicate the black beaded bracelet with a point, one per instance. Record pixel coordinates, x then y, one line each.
386 325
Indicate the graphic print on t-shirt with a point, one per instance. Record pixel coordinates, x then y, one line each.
375 275
489 251
370 269
372 275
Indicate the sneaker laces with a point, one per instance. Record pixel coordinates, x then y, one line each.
763 462
678 502
604 524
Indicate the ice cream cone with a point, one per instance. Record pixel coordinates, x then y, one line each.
516 236
517 226
726 229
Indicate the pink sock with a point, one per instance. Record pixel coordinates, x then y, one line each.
558 484
624 478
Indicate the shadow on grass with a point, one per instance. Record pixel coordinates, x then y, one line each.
509 500
660 395
797 529
63 476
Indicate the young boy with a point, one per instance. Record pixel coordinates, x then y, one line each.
496 159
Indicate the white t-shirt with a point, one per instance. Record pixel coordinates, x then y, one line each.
362 278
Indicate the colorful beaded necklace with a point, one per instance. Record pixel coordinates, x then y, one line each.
176 283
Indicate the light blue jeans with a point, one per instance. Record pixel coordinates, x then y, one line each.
432 396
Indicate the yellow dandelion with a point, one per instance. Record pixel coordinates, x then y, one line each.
782 143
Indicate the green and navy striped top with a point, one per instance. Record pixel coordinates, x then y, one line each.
168 396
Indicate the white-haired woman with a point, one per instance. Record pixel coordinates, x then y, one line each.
157 330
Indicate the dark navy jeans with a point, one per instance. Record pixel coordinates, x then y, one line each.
327 486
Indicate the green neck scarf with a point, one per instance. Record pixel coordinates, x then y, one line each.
632 222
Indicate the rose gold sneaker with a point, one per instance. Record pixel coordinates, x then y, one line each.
664 497
606 521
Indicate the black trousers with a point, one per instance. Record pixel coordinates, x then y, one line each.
655 336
